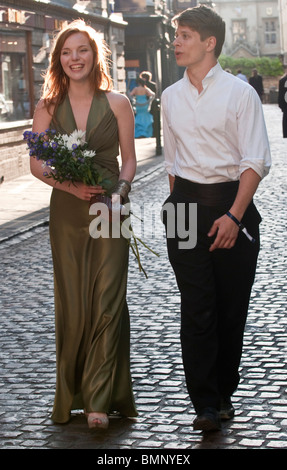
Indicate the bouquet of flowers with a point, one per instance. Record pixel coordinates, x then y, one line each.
68 156
69 159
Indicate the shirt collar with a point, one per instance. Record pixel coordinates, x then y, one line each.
213 72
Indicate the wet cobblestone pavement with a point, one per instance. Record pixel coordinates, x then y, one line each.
165 415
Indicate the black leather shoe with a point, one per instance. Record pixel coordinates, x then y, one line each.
208 420
226 409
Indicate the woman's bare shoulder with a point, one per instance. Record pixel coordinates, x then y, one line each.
42 115
44 107
117 97
118 101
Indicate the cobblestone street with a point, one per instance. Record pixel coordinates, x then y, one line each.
165 415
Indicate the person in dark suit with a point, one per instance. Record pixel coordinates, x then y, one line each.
147 76
257 83
282 102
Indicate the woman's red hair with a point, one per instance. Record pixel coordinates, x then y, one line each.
56 82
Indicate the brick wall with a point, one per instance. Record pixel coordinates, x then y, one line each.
14 156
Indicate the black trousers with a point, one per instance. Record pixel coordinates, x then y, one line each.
215 290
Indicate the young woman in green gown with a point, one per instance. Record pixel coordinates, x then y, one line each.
90 274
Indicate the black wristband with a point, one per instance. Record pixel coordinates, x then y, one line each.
241 226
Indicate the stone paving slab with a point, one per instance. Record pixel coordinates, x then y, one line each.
165 414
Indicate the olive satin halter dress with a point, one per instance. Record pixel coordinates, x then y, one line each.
90 279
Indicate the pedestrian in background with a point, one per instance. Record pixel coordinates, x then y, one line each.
143 119
92 318
282 102
216 152
241 76
147 77
256 81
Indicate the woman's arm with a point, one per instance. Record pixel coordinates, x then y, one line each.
123 112
133 92
149 92
41 122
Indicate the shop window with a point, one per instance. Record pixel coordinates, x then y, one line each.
14 79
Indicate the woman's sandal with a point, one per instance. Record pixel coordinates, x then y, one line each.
97 420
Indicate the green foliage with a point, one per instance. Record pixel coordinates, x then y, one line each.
266 66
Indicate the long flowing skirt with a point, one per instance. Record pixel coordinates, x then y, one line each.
91 314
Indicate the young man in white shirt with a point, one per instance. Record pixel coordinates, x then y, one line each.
216 152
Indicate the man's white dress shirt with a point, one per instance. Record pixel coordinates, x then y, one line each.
214 136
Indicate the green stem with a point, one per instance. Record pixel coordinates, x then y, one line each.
138 259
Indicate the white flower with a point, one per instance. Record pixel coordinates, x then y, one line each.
88 153
77 137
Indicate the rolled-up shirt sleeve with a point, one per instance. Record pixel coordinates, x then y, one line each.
168 137
252 135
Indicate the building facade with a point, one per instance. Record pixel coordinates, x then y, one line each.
282 5
27 29
148 40
252 27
